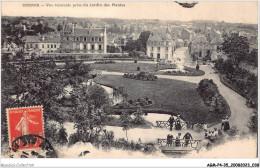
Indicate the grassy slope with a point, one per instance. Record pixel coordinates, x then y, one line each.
173 96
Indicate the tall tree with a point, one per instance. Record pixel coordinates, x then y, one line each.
126 122
236 47
88 112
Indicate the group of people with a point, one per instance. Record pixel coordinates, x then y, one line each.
212 134
177 141
176 121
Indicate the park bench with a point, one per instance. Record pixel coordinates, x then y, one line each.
166 124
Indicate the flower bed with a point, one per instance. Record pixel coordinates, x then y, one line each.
132 104
187 72
141 76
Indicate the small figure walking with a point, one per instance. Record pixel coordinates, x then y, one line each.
178 141
187 137
171 121
225 124
169 140
178 123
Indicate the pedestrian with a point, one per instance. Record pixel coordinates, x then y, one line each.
178 123
210 135
178 141
206 134
187 137
205 126
169 140
215 133
225 124
171 121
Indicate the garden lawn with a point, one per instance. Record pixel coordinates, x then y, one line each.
169 96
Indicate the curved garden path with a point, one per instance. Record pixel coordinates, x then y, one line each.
240 113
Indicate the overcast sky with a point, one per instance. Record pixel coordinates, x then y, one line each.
238 12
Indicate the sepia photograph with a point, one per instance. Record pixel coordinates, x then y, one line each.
129 79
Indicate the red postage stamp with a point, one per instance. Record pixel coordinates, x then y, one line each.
25 121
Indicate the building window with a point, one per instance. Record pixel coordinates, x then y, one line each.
30 45
27 45
51 46
100 47
42 45
151 55
36 45
92 47
85 46
167 43
85 38
166 48
151 48
77 38
67 38
48 46
158 49
92 39
54 45
99 39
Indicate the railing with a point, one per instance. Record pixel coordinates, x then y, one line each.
166 124
191 144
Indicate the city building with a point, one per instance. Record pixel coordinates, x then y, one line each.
200 48
186 34
160 47
40 44
84 40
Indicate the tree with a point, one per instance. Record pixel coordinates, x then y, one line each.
126 122
59 27
143 38
88 113
252 57
139 119
62 134
236 47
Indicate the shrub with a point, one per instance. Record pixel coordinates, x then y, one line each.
253 123
149 148
55 133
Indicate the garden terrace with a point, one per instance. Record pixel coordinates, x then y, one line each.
169 96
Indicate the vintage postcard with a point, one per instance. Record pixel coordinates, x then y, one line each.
121 79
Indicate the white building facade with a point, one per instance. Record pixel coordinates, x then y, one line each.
160 47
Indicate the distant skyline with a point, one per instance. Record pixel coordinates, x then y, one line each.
233 12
